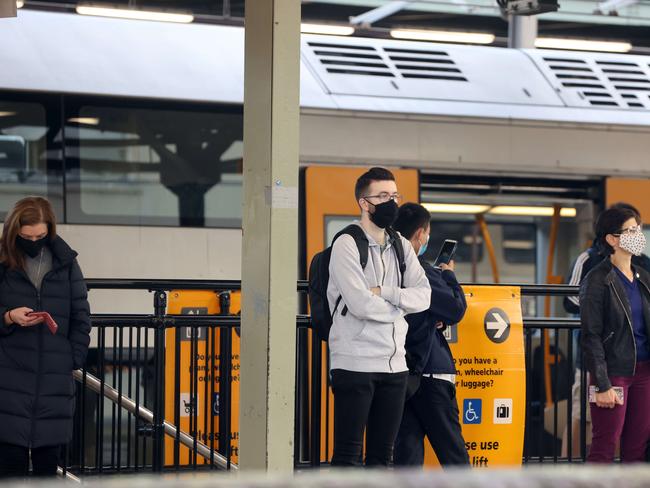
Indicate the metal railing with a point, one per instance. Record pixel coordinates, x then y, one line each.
131 416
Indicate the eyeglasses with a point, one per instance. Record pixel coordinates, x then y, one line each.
384 196
630 230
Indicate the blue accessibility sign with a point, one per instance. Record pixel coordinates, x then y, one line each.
472 408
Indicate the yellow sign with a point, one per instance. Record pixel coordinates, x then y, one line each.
198 395
488 350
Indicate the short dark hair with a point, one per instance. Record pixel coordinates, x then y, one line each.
373 174
611 221
410 218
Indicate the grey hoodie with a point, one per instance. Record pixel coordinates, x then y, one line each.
370 337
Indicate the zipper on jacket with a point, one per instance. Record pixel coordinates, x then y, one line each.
629 323
39 353
609 336
390 359
383 277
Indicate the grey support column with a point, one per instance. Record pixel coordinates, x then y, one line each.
522 31
7 8
270 234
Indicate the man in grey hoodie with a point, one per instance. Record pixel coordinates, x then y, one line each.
367 357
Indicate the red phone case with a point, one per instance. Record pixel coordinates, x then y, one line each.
49 321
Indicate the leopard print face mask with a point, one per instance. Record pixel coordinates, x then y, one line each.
634 243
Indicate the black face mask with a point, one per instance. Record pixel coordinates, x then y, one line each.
385 214
31 248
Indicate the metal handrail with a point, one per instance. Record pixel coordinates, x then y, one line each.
529 289
68 475
147 415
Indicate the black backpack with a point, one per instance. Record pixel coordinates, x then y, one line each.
319 276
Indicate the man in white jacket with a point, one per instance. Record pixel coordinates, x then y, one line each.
367 357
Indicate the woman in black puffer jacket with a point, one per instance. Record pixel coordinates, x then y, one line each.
38 272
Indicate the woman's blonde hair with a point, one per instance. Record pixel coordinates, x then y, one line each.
28 211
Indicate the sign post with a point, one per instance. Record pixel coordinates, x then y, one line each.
488 349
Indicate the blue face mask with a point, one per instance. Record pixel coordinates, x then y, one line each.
423 247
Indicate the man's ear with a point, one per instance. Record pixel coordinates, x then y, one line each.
363 204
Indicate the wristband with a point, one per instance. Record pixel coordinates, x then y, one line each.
11 321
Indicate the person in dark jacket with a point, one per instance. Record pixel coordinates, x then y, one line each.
38 272
431 409
591 257
584 263
615 338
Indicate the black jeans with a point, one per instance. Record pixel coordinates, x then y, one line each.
366 401
432 411
14 461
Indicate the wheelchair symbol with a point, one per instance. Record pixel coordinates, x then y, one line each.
472 411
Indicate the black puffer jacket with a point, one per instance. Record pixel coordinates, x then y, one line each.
36 385
607 337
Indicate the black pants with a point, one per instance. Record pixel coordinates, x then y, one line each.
14 461
432 411
366 401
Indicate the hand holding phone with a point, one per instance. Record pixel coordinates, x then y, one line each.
47 318
446 253
21 316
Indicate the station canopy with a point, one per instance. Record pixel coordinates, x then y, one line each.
604 20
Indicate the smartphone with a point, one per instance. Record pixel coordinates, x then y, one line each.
446 253
617 389
47 318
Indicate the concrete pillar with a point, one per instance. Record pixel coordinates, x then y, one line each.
522 31
7 8
270 234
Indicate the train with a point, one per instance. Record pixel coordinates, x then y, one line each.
134 130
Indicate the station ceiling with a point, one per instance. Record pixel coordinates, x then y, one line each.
575 19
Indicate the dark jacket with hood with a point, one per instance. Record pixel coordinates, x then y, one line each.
427 350
36 384
607 336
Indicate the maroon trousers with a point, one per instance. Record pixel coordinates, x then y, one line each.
629 423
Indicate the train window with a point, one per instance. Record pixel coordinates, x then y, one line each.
519 243
335 224
463 232
148 166
28 155
514 244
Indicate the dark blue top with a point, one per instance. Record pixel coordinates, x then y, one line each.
638 321
427 350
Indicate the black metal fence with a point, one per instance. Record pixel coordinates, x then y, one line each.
127 422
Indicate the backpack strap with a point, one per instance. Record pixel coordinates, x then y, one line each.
362 243
399 252
360 240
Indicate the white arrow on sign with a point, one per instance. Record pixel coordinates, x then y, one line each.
500 325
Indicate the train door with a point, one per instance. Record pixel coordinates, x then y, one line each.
329 206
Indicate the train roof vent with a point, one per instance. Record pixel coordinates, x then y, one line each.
344 59
597 80
424 64
383 69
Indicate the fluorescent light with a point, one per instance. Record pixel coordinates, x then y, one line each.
531 211
460 208
85 120
7 114
519 245
455 208
582 45
328 29
443 36
124 13
20 4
